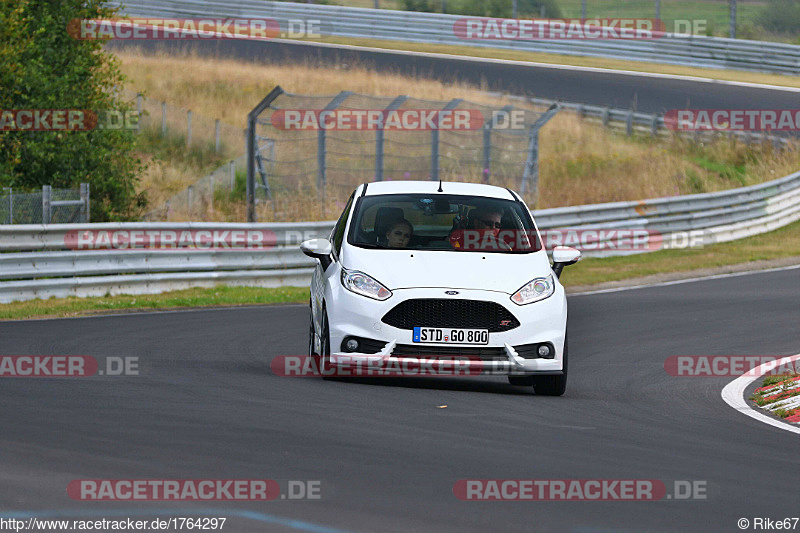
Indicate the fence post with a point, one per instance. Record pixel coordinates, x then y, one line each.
216 136
397 102
139 110
189 199
9 191
232 167
47 196
732 30
322 150
487 152
163 119
531 172
85 214
452 104
211 202
188 128
250 153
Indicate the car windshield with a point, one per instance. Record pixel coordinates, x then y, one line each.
443 222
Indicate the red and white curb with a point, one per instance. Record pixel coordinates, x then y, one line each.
784 395
733 395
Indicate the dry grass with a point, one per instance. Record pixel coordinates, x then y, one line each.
580 162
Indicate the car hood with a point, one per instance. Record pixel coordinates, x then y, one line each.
402 269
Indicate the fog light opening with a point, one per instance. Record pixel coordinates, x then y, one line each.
544 351
351 345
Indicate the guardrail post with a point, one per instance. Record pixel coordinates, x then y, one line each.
379 135
654 125
85 213
216 136
452 104
606 116
47 196
163 119
629 123
188 128
10 204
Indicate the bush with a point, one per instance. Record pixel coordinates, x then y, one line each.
780 16
44 68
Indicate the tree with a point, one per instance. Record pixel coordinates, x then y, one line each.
43 67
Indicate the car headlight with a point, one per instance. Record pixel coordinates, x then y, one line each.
534 291
360 283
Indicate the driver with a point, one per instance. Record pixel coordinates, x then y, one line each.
488 221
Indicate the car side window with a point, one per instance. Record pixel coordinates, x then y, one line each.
338 230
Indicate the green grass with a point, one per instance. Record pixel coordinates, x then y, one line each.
774 380
781 243
784 242
216 296
716 12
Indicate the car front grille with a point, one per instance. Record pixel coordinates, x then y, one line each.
449 313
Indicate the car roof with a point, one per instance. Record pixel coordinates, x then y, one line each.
432 187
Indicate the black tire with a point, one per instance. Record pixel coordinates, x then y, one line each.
552 385
311 351
325 350
521 381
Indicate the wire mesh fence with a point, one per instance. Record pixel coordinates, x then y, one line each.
187 127
50 206
217 196
312 149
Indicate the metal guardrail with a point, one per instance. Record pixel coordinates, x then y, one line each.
39 263
435 28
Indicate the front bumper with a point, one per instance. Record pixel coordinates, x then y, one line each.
385 362
541 322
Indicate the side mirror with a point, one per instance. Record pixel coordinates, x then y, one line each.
318 249
564 256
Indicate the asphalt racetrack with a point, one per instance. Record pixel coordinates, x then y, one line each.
386 454
207 406
618 90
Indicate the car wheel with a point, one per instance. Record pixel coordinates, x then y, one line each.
552 385
311 351
325 351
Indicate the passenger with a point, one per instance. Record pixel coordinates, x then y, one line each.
399 234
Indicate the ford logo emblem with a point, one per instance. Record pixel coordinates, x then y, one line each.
451 293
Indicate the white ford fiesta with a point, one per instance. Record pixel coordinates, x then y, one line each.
422 270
